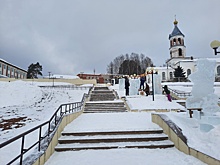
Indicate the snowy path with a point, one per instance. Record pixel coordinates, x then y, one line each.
118 121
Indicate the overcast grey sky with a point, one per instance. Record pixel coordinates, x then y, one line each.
73 36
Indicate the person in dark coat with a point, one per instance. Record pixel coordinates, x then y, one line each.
147 89
142 80
127 84
167 92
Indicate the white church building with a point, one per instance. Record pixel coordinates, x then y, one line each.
178 58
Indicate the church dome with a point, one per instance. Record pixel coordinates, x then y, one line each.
176 31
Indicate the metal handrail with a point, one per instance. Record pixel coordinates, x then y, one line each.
51 124
180 93
65 86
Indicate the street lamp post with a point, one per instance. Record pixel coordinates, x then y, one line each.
214 45
152 71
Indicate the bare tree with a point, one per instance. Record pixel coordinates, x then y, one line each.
110 68
130 64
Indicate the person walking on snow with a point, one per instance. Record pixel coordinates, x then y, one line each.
127 84
142 80
147 89
167 92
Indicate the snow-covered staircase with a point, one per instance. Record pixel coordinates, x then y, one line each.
105 107
112 140
101 94
102 100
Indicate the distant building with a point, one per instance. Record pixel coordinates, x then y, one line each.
178 58
57 76
11 71
99 78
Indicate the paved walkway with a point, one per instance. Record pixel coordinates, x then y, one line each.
118 121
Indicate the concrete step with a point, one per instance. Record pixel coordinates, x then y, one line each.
102 98
74 141
126 132
105 103
101 88
99 109
118 145
102 95
104 107
112 138
100 102
101 91
105 111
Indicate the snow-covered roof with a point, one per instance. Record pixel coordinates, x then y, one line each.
216 59
12 64
159 68
63 76
195 59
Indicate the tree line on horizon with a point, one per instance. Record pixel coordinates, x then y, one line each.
137 64
122 65
129 64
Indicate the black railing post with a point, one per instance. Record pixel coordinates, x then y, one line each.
39 139
55 119
71 105
49 128
66 108
61 111
22 149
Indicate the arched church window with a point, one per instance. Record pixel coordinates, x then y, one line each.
180 52
171 43
179 41
163 76
218 70
174 41
171 75
188 72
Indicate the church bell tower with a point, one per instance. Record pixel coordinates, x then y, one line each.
177 47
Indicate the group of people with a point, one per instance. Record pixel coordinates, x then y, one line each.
145 87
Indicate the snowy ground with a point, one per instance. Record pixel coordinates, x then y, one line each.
35 105
30 103
206 142
24 105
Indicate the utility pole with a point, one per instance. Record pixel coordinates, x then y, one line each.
49 74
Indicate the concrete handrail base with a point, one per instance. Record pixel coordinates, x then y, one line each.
180 145
51 147
154 110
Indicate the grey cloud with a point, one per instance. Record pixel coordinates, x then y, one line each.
75 36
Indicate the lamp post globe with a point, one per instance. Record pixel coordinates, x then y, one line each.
214 45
